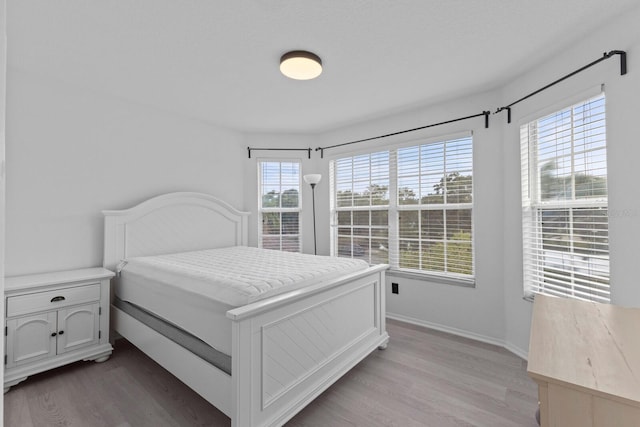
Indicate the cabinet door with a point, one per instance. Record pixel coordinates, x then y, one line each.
30 338
78 327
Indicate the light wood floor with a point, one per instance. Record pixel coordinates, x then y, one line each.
423 378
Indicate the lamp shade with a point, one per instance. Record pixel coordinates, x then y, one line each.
312 178
300 65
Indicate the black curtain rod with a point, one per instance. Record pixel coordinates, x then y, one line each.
308 150
484 113
623 71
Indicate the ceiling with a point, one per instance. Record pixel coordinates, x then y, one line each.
217 61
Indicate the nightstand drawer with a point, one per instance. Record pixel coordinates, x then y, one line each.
52 300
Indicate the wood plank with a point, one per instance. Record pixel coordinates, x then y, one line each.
609 413
16 409
569 407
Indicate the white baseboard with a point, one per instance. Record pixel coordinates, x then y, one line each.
517 351
461 333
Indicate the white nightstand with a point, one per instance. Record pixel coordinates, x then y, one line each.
54 319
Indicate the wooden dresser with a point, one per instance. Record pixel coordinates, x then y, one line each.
585 358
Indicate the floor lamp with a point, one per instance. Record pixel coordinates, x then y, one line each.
313 179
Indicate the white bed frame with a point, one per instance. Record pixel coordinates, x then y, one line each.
276 369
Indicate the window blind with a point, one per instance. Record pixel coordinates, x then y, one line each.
280 205
360 206
434 208
565 203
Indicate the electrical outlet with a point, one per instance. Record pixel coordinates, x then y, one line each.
394 288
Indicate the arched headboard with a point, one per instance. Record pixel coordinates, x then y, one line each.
174 222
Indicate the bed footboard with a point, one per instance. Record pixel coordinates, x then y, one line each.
289 349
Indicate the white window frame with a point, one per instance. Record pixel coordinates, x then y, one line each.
394 210
352 248
280 210
592 285
453 277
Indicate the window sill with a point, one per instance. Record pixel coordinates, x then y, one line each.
435 278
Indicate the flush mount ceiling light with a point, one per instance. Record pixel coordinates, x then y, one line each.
301 65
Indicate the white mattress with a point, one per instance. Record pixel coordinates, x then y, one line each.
194 290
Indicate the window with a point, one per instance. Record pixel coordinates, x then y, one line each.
360 204
435 208
564 203
279 205
410 207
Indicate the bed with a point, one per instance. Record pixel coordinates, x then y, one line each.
276 346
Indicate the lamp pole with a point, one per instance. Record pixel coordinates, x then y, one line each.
312 180
313 198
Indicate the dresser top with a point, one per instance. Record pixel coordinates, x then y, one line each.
586 345
54 278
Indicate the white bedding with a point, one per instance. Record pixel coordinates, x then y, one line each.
194 290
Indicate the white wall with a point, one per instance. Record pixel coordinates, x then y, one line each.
623 152
3 74
72 153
